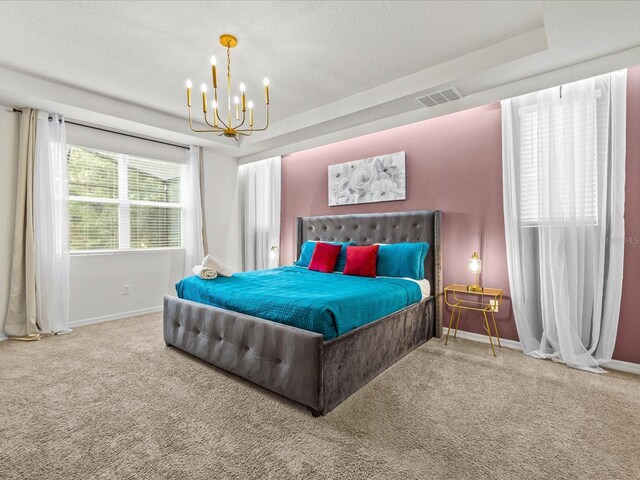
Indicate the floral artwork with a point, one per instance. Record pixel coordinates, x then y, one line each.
374 179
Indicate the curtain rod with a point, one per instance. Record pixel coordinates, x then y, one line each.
17 110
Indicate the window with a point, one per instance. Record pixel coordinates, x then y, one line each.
564 190
122 202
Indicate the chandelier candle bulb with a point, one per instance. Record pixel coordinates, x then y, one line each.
244 105
189 85
214 105
203 87
266 90
236 100
213 72
250 113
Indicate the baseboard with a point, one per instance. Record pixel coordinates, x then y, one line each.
618 365
114 316
477 337
622 366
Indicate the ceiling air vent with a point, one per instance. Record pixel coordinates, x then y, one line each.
443 96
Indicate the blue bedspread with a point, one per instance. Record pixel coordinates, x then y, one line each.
330 304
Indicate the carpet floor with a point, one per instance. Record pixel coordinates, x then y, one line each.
111 401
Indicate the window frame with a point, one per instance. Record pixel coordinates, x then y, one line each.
124 209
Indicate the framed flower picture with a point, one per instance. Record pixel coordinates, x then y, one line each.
374 179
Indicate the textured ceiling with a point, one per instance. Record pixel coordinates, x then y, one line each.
332 65
313 52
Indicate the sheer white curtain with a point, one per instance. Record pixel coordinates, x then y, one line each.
563 180
261 184
192 225
51 225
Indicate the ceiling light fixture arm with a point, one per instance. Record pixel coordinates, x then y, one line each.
198 130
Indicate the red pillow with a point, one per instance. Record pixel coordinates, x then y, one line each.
361 261
325 257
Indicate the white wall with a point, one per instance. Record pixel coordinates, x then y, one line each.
9 126
97 281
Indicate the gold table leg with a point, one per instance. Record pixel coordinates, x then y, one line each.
446 340
455 335
486 323
495 327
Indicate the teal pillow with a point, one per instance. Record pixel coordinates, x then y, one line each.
306 252
402 260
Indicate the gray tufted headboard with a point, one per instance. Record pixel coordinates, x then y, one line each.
369 228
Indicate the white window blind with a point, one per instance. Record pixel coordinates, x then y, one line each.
122 202
558 192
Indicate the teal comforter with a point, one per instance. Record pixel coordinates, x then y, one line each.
330 304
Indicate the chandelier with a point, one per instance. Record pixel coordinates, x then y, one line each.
233 127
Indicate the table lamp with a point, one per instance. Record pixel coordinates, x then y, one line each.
475 266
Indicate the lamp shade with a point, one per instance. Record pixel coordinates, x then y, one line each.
475 264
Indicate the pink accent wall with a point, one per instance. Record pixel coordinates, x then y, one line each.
454 165
628 340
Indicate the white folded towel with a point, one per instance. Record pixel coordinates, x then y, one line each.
204 273
217 265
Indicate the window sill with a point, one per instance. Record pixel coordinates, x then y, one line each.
91 253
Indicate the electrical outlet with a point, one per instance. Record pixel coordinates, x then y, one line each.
126 289
494 304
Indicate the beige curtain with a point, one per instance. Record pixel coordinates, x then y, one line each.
21 312
202 203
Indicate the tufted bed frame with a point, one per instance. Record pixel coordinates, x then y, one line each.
297 363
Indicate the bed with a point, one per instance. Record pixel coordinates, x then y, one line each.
321 368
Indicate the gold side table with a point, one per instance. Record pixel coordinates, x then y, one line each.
486 300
